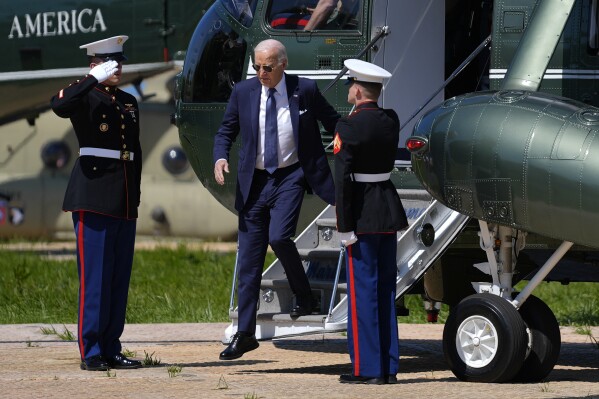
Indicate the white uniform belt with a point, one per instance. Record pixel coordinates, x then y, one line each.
371 177
105 153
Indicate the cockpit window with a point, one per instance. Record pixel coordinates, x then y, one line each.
214 61
315 14
241 10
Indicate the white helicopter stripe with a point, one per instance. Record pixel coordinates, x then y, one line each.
554 74
77 72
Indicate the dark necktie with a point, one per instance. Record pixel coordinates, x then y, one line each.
271 133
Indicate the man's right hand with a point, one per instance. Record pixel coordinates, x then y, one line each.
220 166
105 70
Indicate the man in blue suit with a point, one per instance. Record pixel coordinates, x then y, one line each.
280 158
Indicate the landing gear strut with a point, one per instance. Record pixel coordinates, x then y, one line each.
490 337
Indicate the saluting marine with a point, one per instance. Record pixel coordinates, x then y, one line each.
369 214
103 195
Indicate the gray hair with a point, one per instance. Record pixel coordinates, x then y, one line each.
272 44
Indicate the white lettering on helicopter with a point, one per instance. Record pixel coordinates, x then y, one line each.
57 23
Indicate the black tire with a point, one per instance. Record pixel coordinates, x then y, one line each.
545 340
498 325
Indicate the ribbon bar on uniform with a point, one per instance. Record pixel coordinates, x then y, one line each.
371 177
105 153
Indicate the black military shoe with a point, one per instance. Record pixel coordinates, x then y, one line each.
241 343
119 361
94 363
356 379
391 379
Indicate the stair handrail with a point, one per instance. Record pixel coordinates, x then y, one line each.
336 284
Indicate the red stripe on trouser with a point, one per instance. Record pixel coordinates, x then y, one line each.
81 281
354 312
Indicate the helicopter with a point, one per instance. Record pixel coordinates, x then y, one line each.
41 46
466 245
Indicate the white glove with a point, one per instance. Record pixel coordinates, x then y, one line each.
104 71
348 238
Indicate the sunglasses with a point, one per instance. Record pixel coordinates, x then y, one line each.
266 68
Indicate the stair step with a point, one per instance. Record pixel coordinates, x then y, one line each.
319 252
285 318
341 287
327 222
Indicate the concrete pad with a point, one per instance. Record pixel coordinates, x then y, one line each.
34 365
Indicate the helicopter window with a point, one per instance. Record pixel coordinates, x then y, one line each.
211 76
175 161
55 154
594 28
241 10
296 15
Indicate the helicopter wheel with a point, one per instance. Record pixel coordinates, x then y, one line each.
545 339
485 339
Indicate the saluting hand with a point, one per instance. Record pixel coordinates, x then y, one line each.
220 166
105 70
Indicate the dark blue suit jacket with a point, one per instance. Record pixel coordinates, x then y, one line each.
241 116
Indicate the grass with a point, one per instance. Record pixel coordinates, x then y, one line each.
222 383
66 335
174 370
182 285
150 360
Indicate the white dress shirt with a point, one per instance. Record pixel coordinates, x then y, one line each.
286 150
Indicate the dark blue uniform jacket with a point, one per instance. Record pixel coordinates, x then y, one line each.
103 117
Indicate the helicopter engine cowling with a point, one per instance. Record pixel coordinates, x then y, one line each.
528 160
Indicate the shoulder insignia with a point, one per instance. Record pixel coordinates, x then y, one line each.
337 143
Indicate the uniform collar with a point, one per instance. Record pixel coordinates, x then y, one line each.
363 106
368 104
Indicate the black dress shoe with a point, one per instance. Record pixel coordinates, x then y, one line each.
119 361
391 379
241 343
94 363
298 311
356 379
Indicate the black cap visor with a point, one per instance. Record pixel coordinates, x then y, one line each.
118 57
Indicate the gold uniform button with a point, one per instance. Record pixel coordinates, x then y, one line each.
122 136
95 168
104 116
124 145
117 107
122 116
122 126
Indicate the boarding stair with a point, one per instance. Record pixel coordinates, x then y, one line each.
432 228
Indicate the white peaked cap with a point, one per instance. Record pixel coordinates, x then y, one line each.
363 71
106 47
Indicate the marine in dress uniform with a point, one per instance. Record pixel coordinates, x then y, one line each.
103 195
369 214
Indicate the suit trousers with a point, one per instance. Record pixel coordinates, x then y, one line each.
372 322
270 216
105 248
